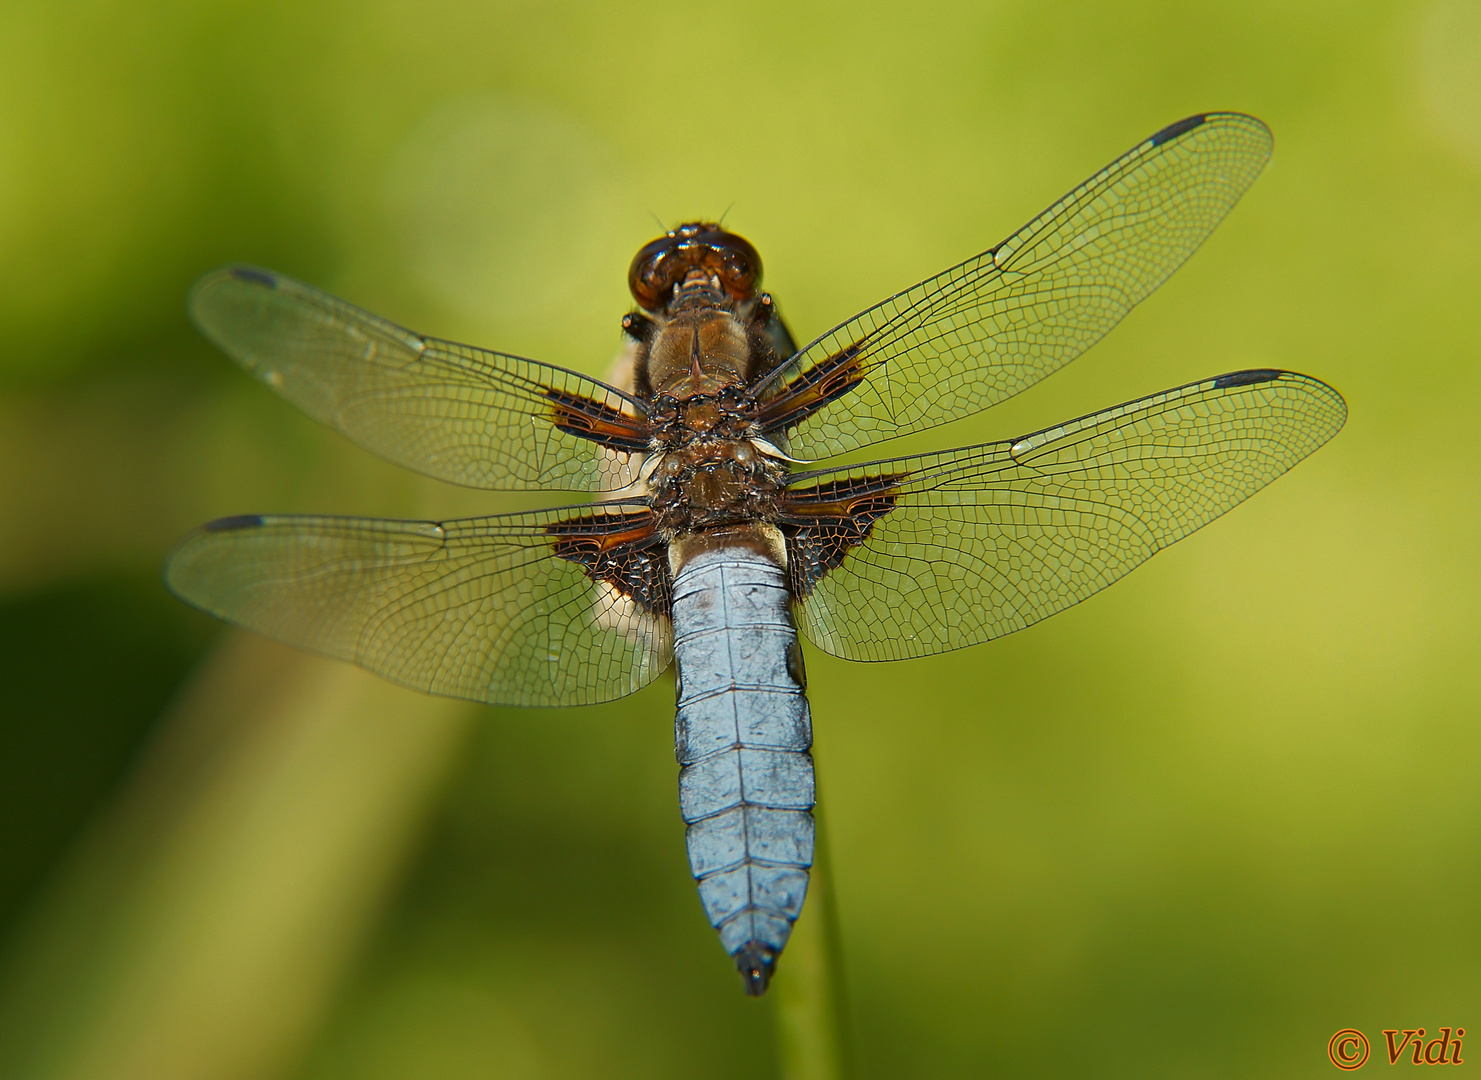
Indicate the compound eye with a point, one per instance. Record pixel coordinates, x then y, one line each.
654 270
735 261
662 263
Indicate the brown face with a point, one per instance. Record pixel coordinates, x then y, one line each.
699 245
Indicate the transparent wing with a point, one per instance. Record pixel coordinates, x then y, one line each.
986 329
926 554
517 609
466 415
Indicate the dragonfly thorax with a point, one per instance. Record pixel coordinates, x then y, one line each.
714 483
698 351
699 356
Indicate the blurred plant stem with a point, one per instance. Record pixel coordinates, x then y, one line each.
811 1009
201 928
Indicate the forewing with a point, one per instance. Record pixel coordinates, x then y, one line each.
560 607
997 323
469 416
926 554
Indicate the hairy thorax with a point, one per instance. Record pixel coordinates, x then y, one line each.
710 467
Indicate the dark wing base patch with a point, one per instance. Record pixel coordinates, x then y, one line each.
821 384
824 523
624 551
587 418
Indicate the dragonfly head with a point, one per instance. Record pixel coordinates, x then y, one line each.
698 252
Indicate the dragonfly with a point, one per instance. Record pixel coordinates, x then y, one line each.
714 535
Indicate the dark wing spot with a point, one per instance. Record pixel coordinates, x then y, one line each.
1245 378
623 550
823 524
257 277
230 524
1172 131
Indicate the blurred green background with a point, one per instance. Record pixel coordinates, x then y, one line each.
1191 827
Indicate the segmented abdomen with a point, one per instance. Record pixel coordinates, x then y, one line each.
742 732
